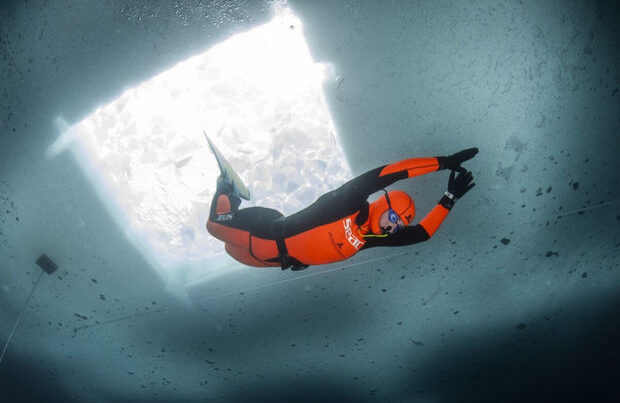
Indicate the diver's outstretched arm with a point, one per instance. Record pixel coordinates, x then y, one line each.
457 187
359 188
352 196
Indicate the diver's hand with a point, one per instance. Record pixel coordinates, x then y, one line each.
457 187
460 184
454 161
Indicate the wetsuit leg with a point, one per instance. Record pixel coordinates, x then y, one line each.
246 232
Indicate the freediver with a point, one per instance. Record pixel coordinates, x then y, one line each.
340 223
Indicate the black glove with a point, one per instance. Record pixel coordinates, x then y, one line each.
454 161
457 187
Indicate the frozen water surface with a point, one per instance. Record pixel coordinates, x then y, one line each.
104 169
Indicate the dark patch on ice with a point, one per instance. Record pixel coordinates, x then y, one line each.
504 172
515 145
505 241
584 274
81 316
575 185
102 297
550 253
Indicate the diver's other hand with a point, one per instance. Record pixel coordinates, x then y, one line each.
454 161
460 184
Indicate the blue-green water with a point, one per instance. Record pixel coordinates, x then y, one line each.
515 298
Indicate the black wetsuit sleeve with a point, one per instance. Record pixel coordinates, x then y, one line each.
406 236
374 180
360 188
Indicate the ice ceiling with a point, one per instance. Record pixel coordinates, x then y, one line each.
516 298
259 96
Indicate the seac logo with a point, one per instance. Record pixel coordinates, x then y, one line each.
223 217
353 240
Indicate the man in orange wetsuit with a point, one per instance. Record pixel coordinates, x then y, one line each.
340 223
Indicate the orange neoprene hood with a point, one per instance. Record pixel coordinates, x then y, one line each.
401 203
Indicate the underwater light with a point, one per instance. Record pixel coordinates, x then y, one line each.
259 97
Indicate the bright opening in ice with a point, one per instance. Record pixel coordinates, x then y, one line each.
259 97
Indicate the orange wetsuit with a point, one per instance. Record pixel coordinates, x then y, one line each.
335 227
